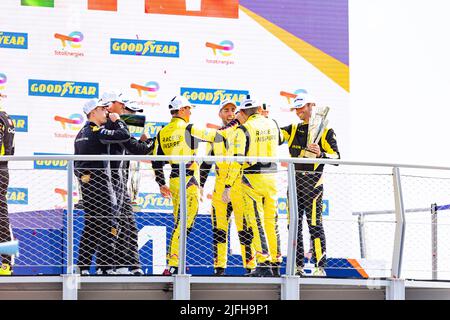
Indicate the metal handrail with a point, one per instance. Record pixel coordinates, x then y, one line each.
216 158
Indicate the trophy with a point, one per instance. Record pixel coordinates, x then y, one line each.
133 182
316 126
137 121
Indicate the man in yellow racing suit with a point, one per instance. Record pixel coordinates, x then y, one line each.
179 138
257 137
221 211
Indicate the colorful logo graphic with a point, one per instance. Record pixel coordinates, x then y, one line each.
201 8
17 196
147 48
38 3
291 96
107 5
154 201
62 89
13 40
20 123
224 48
49 164
212 96
3 80
151 128
73 122
149 89
73 39
63 193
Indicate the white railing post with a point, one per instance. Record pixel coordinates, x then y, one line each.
293 222
397 287
70 278
434 242
181 280
290 287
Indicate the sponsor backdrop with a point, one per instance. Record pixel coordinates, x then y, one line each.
55 54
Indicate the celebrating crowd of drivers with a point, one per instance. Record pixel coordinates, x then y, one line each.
247 190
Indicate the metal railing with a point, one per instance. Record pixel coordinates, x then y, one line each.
351 194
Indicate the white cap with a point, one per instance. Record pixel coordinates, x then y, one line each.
248 103
301 100
225 102
179 102
133 106
92 104
113 96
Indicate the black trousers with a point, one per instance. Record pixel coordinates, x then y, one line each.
309 201
127 253
99 235
5 233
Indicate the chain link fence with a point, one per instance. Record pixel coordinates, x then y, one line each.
346 216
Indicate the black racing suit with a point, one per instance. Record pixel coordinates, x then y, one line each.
7 132
126 254
99 199
309 187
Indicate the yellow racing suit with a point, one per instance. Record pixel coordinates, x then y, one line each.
221 212
309 185
180 138
258 136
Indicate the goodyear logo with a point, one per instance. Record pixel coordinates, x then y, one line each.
136 47
151 128
325 208
282 206
154 201
13 40
50 164
20 123
17 196
63 89
212 96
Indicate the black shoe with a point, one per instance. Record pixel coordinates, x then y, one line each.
219 271
262 270
299 272
275 267
248 271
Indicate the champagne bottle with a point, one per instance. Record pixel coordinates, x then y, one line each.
137 120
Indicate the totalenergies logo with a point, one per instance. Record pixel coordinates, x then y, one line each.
73 122
292 96
3 80
63 196
224 48
148 90
73 39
